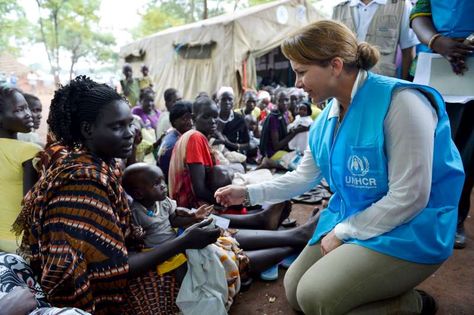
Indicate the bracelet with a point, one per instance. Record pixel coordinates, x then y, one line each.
433 38
246 202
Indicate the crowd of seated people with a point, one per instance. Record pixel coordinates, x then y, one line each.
82 264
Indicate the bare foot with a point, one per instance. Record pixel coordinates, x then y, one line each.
306 231
269 164
275 214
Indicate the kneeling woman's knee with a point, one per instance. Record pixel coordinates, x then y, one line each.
290 283
313 299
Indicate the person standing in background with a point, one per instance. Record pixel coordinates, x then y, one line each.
444 26
384 24
130 86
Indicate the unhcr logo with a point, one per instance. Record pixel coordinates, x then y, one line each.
359 167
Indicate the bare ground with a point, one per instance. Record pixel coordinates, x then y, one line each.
452 285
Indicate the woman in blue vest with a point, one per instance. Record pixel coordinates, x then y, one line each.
384 146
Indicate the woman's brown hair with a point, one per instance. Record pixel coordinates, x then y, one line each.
321 41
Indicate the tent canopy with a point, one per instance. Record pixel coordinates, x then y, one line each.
220 51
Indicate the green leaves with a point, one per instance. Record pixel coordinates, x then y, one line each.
72 28
13 26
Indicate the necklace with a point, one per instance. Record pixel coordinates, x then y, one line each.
230 118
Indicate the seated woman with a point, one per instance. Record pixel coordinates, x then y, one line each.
17 174
192 158
275 137
231 128
181 121
250 104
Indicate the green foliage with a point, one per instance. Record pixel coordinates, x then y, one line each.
156 19
13 25
72 27
257 2
160 15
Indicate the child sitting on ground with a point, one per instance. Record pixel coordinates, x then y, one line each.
300 141
155 216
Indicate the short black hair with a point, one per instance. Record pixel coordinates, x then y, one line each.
248 93
30 99
179 109
169 93
82 100
200 102
308 106
6 95
145 91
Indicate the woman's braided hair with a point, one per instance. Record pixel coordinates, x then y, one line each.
82 100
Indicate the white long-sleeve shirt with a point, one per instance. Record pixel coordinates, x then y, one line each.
409 129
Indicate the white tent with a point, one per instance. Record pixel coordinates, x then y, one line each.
220 51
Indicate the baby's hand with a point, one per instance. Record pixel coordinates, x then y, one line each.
183 212
203 211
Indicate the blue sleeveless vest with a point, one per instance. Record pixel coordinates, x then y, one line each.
355 165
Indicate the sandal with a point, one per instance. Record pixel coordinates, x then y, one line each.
288 223
271 274
286 263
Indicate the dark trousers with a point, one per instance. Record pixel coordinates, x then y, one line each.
461 117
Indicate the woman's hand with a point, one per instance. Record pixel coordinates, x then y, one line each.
19 301
330 242
200 235
230 195
454 51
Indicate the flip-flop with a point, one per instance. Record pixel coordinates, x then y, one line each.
271 274
308 199
286 263
288 222
285 213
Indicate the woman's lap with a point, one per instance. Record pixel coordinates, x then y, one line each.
349 277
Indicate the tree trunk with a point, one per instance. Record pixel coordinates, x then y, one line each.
191 12
205 13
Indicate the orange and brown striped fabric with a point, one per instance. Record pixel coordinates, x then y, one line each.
77 220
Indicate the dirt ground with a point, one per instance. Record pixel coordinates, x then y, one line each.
452 285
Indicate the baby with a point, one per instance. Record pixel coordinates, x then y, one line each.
155 215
